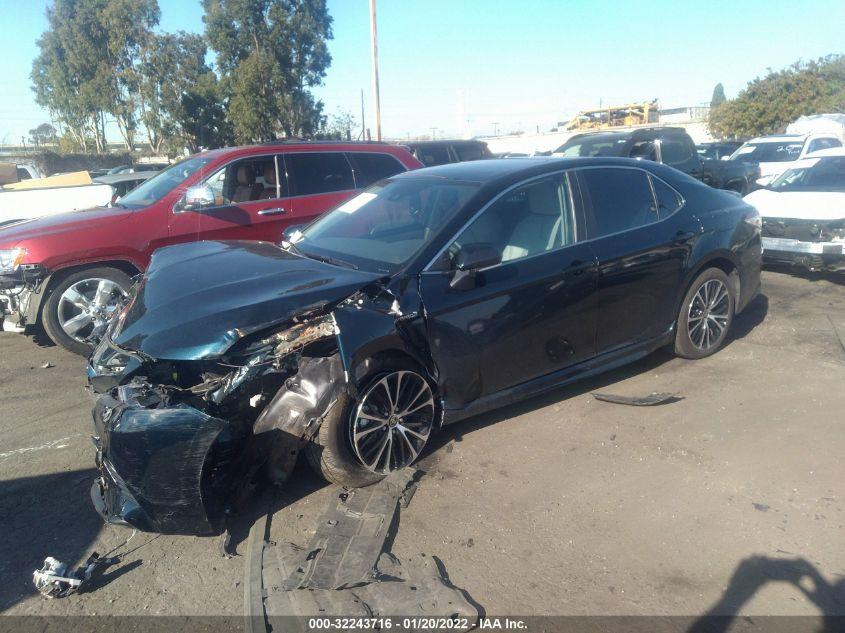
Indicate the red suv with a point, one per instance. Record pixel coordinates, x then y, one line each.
70 271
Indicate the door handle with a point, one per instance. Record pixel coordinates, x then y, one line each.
277 211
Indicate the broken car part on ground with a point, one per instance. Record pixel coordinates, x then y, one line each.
430 297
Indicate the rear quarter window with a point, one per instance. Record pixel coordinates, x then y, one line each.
668 200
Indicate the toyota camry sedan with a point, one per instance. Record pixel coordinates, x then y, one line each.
432 296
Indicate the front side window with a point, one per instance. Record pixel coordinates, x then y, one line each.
619 199
470 151
675 151
370 168
247 180
593 145
154 189
529 220
384 227
314 173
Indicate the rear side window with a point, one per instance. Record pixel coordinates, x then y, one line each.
471 151
318 172
370 168
23 174
433 155
668 200
619 200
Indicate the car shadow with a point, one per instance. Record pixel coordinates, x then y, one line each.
45 515
744 322
837 278
755 572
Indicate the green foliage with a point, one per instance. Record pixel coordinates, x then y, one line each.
270 52
341 126
767 105
203 118
718 97
44 133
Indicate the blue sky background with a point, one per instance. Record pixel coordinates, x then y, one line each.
521 63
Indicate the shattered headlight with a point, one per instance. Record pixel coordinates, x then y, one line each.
11 259
109 365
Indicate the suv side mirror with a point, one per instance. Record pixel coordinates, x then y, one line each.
469 260
196 198
290 231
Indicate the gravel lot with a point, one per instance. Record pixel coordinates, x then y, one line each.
728 500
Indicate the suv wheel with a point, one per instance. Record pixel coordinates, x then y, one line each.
382 430
81 303
705 316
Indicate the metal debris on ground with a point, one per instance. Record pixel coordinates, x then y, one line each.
347 568
54 581
639 401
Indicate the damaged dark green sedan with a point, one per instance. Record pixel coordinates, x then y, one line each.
432 296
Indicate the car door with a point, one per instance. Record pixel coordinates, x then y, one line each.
251 202
642 240
527 316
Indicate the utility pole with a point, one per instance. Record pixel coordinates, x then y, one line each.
363 123
374 34
433 133
496 128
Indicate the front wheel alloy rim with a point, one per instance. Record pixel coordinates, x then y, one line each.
87 306
392 422
708 314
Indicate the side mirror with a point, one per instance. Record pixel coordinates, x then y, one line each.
196 198
469 260
726 157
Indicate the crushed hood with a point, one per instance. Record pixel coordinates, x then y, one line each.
198 299
802 205
70 222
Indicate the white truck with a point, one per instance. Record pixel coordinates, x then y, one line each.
35 198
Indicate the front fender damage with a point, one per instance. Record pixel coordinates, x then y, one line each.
180 444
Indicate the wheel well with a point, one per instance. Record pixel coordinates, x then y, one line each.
121 265
726 266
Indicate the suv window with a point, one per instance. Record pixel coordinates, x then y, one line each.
23 174
469 151
433 155
643 149
528 220
668 200
318 172
370 168
675 151
245 180
823 143
620 199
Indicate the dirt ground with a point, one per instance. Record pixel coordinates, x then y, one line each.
727 501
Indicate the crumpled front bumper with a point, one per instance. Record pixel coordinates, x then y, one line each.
167 470
812 255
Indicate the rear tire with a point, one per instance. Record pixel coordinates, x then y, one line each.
332 454
89 278
705 316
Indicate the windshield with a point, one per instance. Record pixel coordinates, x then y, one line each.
769 151
161 184
382 228
820 174
598 145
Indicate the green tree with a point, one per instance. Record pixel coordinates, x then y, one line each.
768 104
204 122
44 133
339 125
718 97
270 53
88 64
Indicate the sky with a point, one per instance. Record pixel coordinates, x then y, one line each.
467 66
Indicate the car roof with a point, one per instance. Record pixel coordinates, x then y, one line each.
507 169
111 179
776 138
824 153
462 141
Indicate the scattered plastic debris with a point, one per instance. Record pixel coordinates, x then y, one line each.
639 401
53 581
47 365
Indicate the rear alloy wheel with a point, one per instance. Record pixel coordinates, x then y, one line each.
383 429
81 305
705 316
